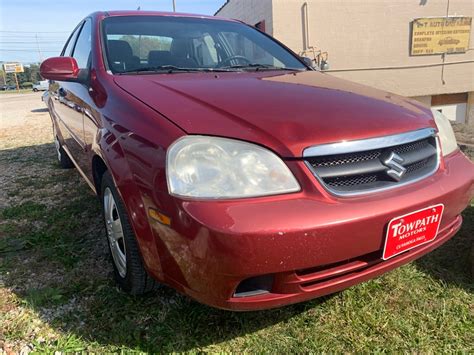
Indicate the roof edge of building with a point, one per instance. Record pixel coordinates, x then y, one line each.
220 8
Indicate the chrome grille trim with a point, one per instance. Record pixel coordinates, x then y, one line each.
371 144
346 147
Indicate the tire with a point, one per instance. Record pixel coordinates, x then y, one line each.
129 272
64 161
35 90
472 262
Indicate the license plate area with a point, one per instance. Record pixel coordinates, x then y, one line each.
411 230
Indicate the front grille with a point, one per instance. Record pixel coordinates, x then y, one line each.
347 159
352 180
374 169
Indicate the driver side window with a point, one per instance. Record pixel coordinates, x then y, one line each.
242 46
82 50
67 51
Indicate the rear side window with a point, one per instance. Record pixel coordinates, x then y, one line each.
82 50
67 51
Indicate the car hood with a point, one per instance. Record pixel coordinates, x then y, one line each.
285 111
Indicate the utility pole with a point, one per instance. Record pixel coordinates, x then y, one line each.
174 5
39 50
16 81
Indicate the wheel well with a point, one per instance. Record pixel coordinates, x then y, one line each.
98 170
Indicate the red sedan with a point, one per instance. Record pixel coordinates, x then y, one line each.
234 172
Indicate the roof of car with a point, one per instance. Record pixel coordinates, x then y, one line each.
160 13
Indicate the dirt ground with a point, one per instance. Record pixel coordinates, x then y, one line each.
56 293
465 137
18 109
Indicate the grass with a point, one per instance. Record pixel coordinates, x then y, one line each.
56 292
26 210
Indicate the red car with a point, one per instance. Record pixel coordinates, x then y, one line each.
232 171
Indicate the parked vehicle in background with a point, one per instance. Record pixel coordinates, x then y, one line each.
41 86
7 87
230 170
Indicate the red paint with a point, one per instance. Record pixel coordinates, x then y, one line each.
59 68
129 122
411 230
286 112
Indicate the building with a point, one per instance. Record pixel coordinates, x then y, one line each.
380 43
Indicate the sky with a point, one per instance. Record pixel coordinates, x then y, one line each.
27 24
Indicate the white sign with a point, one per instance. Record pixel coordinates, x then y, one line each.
13 67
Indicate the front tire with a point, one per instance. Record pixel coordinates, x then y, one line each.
129 272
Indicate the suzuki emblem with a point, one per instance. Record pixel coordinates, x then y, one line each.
396 170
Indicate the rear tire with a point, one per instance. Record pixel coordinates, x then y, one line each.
129 272
64 161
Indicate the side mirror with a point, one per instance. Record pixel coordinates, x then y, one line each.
308 61
60 69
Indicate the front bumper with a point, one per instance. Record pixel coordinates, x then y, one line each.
311 243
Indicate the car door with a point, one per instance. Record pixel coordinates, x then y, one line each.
59 104
71 97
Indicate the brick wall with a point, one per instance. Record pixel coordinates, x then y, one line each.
249 11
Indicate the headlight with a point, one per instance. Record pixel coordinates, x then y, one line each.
211 167
446 133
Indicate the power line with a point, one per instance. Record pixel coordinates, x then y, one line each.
30 42
28 50
35 31
48 35
32 38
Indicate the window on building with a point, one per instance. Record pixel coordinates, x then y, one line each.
261 25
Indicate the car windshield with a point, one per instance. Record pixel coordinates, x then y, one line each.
141 44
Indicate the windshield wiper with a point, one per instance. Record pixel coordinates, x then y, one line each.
160 68
258 66
172 69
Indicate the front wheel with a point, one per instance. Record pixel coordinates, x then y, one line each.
129 271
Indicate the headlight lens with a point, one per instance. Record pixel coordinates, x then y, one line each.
446 133
211 167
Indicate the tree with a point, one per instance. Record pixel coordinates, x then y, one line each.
10 79
30 74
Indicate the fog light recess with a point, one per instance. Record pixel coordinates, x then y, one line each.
254 286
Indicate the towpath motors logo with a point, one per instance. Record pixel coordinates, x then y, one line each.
412 230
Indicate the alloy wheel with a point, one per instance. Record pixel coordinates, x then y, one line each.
115 234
